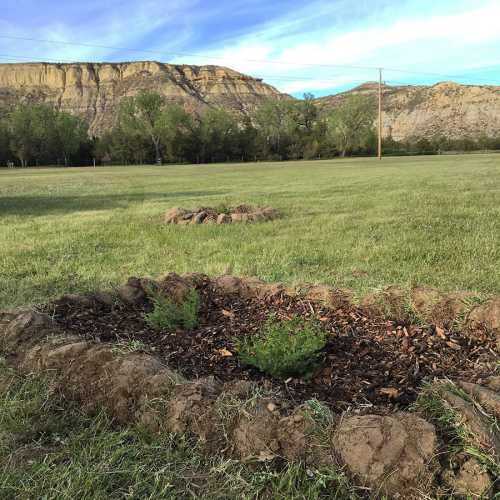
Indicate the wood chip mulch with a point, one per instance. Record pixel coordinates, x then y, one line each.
367 364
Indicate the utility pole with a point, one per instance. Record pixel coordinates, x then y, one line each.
380 113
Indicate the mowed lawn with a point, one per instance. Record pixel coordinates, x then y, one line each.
356 223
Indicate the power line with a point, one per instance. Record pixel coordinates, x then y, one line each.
185 54
260 61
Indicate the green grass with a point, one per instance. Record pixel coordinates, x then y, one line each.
50 450
351 223
426 220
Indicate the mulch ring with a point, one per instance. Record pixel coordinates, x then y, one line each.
367 364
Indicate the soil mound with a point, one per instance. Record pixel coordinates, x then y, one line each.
368 362
223 215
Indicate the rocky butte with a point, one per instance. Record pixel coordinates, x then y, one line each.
94 90
446 109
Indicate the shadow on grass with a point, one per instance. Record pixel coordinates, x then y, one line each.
43 205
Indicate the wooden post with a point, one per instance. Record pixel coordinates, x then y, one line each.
380 114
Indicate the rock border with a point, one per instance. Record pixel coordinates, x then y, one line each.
394 455
209 215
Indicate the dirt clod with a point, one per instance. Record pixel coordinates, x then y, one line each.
387 453
470 480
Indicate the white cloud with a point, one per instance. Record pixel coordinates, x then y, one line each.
439 43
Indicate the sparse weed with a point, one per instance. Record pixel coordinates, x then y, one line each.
319 412
469 303
223 208
169 315
128 346
285 348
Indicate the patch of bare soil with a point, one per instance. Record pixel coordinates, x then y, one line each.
367 363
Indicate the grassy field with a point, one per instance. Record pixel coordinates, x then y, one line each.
353 223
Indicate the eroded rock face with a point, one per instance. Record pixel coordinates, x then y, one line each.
446 109
94 91
387 453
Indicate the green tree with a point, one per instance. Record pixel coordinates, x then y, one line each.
31 131
215 136
119 146
247 140
71 133
5 152
350 122
174 127
142 114
277 125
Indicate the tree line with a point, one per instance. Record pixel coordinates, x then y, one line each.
151 129
36 134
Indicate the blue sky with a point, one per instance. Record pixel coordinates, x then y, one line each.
320 46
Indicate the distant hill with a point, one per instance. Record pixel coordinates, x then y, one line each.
446 110
94 90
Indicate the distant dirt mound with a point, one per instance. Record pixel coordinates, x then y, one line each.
229 215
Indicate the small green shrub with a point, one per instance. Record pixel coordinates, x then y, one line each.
169 315
223 208
285 348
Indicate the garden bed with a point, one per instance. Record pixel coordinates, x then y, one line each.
220 215
366 363
405 407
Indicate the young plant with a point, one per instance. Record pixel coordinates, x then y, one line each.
285 348
169 315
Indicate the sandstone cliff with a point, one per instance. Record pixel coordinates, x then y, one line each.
446 109
94 91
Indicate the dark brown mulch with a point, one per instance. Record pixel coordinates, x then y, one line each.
366 363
